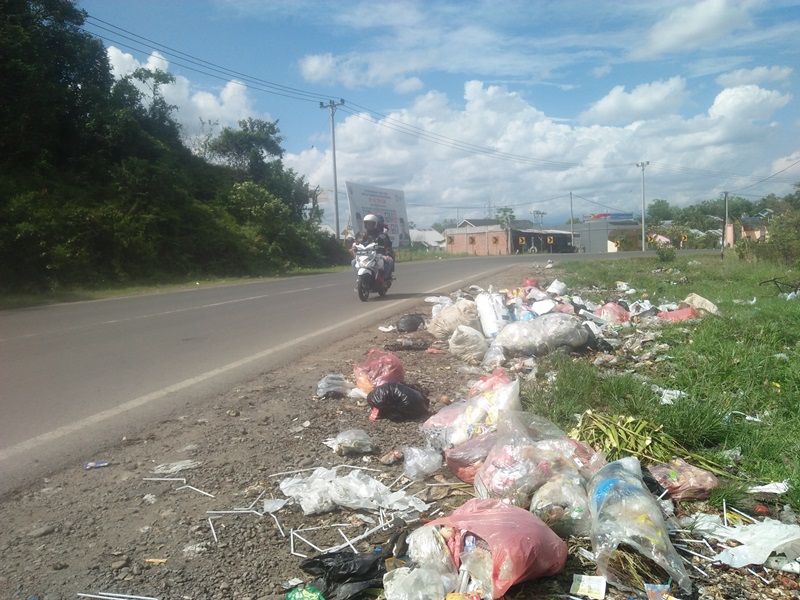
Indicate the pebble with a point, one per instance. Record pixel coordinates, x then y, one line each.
42 531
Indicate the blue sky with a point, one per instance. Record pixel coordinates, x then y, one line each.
471 106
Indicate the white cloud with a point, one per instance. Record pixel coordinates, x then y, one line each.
223 107
649 100
747 103
693 26
537 160
601 71
755 76
411 84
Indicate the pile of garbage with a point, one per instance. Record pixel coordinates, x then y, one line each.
534 485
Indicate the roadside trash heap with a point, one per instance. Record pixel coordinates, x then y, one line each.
534 485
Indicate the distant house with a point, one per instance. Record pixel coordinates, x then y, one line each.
489 237
429 238
756 227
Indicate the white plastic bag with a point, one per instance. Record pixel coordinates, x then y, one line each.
351 441
462 312
419 463
542 335
468 344
493 312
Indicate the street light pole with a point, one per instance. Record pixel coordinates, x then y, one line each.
642 165
332 107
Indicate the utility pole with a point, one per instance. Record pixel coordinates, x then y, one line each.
643 164
724 227
332 106
571 223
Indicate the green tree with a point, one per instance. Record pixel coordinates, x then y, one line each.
445 224
660 211
54 79
249 149
505 216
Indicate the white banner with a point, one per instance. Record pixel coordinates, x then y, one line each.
389 204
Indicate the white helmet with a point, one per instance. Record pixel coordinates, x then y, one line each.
371 223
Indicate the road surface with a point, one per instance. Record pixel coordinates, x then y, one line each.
76 377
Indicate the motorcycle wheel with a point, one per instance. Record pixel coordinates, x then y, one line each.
364 285
382 291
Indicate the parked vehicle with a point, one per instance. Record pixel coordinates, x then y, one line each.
369 265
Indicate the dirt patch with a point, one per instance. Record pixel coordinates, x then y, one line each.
112 529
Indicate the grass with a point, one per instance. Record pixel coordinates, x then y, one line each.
738 371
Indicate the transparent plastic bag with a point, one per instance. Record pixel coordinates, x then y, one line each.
563 504
464 420
465 459
684 481
624 512
420 463
334 386
542 335
351 441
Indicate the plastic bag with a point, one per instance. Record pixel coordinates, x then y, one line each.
497 378
352 441
493 312
682 314
468 344
460 421
462 312
341 575
420 463
624 512
324 490
684 481
521 545
542 335
494 357
334 386
517 466
379 367
563 504
465 459
399 402
613 313
434 576
410 323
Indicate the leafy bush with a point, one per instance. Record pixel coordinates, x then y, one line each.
666 253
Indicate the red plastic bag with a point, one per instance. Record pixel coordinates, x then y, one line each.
684 481
521 545
682 314
380 367
465 459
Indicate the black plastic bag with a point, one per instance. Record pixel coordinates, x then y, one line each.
344 574
409 323
399 402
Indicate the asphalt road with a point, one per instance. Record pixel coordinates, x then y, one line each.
76 377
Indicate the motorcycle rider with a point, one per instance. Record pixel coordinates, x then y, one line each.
375 231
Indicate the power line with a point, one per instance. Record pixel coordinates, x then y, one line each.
270 86
770 177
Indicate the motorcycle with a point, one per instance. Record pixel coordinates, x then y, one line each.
369 267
